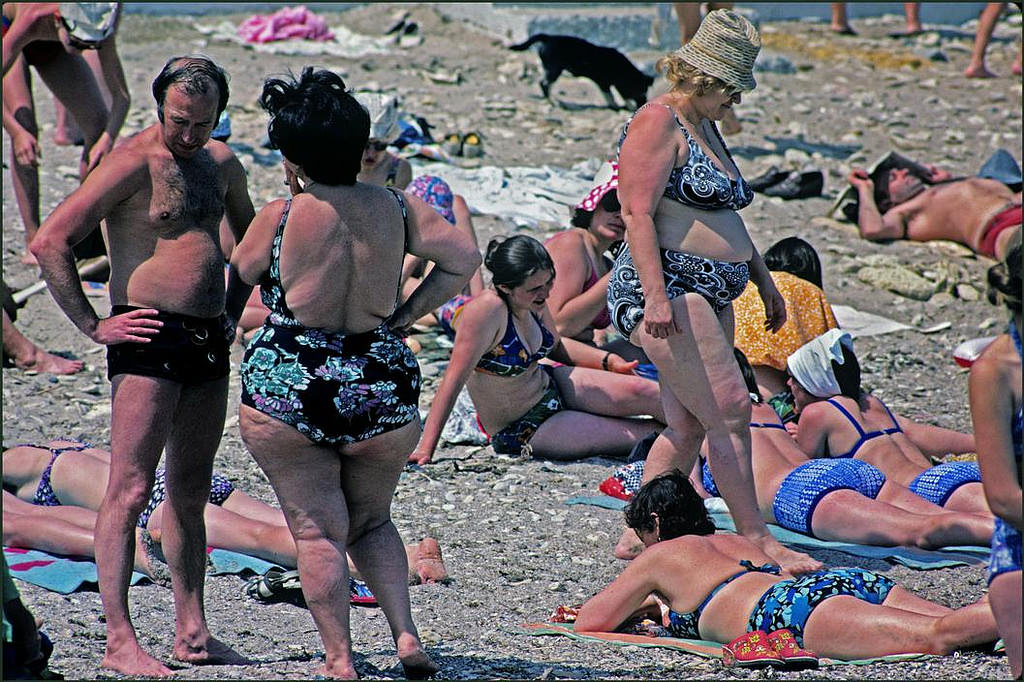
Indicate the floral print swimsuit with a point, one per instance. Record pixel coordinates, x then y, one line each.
333 388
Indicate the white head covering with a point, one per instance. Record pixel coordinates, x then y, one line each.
811 363
383 110
90 22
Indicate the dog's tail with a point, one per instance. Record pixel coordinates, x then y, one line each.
528 42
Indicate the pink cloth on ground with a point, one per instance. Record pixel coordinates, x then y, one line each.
286 23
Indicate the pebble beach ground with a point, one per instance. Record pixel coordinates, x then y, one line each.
513 549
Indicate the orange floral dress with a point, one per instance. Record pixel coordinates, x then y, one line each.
808 315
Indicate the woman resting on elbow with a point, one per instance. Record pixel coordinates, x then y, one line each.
559 412
995 388
579 295
838 419
718 587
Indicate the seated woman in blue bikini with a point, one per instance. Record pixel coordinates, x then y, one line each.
720 587
559 412
838 419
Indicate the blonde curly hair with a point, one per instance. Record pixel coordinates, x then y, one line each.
681 75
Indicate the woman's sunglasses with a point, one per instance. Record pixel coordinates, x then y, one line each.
376 145
610 202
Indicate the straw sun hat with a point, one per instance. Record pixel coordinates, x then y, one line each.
725 46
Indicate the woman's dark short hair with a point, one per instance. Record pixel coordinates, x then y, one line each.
581 217
848 374
1004 281
795 256
748 374
512 260
195 75
317 124
678 506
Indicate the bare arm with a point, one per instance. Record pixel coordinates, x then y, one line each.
573 308
464 222
71 222
774 304
870 221
238 214
935 440
30 21
646 159
579 354
25 144
453 253
992 408
477 331
612 606
812 431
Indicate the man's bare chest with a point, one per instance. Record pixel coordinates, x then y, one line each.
185 196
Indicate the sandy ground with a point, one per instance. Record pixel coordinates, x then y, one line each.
513 549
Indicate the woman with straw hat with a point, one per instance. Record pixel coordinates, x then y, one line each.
687 256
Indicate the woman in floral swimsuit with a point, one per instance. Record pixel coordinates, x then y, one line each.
329 390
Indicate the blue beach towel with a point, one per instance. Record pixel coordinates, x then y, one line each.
912 557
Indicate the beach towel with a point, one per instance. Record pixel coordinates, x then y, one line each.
524 195
56 573
697 647
65 574
911 557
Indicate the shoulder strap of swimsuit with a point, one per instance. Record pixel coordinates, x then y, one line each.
275 251
405 226
748 567
849 416
896 424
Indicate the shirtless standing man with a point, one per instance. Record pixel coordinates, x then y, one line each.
163 193
980 213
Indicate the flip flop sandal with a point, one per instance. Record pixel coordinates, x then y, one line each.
784 644
359 594
750 650
472 145
452 144
275 585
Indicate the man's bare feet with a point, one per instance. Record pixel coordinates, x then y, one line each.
132 661
62 138
629 545
979 72
339 670
416 663
210 652
787 559
40 361
846 30
429 566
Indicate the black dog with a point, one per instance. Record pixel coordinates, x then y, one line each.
606 66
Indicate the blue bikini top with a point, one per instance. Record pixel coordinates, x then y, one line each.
685 624
509 358
865 436
699 182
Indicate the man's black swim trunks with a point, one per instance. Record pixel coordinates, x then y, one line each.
188 350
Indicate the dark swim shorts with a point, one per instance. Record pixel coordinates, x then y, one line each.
188 350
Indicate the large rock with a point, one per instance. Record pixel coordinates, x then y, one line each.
898 280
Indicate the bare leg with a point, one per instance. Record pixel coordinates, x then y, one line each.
27 355
142 409
986 25
969 498
1005 596
848 516
67 131
17 88
840 24
688 16
847 628
571 434
699 367
912 10
191 446
369 476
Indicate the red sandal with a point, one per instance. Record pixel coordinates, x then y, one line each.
785 645
750 650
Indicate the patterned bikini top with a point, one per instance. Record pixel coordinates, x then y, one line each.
509 358
699 182
271 289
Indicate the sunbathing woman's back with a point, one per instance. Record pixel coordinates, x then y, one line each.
62 471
